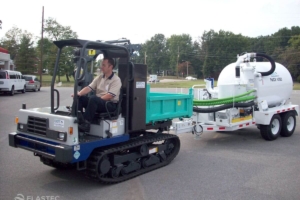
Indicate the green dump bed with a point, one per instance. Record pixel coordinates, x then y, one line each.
167 106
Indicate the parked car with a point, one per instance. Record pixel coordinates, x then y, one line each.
154 80
190 78
11 81
32 82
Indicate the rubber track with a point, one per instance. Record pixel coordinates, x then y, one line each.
97 154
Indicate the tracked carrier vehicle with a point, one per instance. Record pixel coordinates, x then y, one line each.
122 144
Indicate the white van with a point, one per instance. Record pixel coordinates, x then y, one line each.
153 78
11 81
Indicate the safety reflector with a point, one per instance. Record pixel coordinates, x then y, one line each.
71 130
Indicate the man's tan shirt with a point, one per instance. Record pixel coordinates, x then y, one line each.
111 85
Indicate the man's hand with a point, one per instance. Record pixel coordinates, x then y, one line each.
72 95
83 92
107 97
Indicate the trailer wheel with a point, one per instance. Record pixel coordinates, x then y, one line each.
271 132
288 124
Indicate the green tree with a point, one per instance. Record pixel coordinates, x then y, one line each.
56 31
179 49
291 57
219 49
279 41
140 56
11 41
26 61
196 64
20 46
205 48
154 53
47 56
294 42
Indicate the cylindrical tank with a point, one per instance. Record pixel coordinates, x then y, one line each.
275 88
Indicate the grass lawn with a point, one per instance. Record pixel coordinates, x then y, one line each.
189 84
179 84
296 86
46 81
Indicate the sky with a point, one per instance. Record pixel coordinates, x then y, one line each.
139 20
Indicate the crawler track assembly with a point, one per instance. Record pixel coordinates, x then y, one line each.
130 159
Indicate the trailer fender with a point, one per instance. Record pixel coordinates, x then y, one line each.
264 117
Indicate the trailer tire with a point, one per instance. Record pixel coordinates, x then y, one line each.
288 124
271 132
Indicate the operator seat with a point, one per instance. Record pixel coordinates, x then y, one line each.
109 115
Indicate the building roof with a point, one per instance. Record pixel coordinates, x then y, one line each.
3 50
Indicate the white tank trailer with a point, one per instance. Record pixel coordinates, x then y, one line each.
248 93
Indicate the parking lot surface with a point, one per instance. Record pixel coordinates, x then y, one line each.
231 165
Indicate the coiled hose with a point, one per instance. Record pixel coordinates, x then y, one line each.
223 107
227 100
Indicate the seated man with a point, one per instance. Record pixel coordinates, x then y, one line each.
106 88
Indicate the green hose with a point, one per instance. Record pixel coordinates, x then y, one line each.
227 100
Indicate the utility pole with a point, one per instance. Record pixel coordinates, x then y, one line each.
187 68
177 61
42 47
145 57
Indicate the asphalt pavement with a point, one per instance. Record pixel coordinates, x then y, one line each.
231 165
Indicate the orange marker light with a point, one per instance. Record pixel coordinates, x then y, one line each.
17 120
71 130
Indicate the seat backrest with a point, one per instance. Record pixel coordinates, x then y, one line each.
119 107
115 114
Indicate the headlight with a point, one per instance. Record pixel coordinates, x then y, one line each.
61 136
21 126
